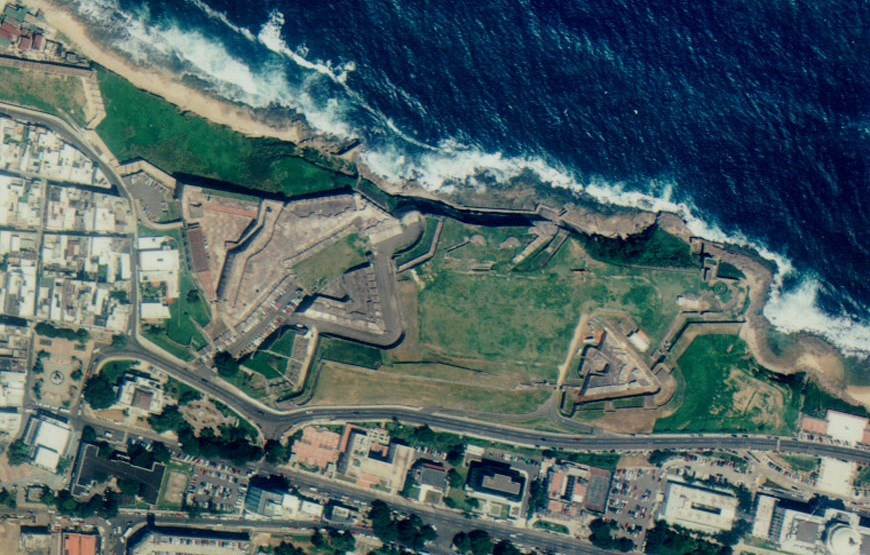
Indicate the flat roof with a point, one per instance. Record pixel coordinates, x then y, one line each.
699 508
52 435
46 458
846 427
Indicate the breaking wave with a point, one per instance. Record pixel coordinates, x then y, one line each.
260 79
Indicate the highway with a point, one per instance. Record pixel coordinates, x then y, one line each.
274 424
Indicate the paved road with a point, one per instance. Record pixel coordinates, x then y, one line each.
274 424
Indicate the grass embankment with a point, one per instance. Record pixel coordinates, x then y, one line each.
179 333
475 306
800 463
340 384
139 124
422 245
273 355
722 389
61 95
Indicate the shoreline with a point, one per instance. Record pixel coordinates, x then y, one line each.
161 82
815 354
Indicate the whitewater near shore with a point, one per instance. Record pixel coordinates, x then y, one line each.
160 81
815 356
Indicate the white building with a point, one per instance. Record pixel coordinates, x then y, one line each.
50 438
801 530
141 394
698 508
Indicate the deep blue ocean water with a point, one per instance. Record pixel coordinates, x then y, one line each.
752 118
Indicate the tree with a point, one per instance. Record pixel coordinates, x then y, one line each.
128 487
602 536
456 480
119 341
342 541
99 392
456 454
275 452
170 419
481 543
476 542
226 365
18 453
287 548
505 547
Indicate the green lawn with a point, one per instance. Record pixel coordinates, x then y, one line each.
525 319
61 95
267 364
189 307
800 463
139 124
721 389
348 352
342 385
318 270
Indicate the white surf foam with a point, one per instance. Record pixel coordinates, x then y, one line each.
169 45
790 311
222 17
446 166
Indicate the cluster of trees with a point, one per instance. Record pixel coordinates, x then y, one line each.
334 542
424 436
232 444
653 247
105 505
602 536
676 540
7 497
226 365
479 542
18 453
409 532
99 392
47 330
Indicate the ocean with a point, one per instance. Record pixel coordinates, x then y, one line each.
749 119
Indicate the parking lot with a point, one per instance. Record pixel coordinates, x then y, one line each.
634 498
217 488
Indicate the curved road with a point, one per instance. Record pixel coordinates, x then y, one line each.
275 424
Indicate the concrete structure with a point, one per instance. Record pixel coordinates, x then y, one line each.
801 529
281 504
842 427
187 541
571 487
141 394
375 465
49 437
836 476
80 544
698 508
12 388
318 448
500 488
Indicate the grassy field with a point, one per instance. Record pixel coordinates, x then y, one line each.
139 124
267 364
318 270
189 307
817 403
339 384
474 306
348 352
800 463
722 390
60 95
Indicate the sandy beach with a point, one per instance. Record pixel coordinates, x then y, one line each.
814 356
159 82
